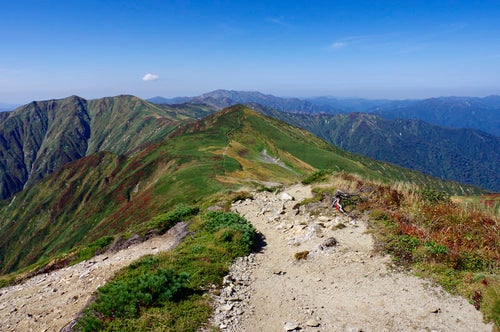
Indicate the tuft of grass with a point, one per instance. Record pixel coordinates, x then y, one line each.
424 230
93 249
318 176
301 255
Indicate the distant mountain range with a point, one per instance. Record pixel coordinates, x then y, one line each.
6 108
457 112
225 98
38 138
106 193
464 155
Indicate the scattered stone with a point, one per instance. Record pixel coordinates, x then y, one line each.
286 197
330 242
312 323
226 307
290 326
227 280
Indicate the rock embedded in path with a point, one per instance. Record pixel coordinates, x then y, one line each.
286 197
312 323
330 242
290 326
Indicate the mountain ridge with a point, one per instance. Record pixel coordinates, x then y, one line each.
459 112
105 193
464 155
455 161
38 138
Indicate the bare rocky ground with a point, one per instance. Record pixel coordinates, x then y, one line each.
51 302
342 285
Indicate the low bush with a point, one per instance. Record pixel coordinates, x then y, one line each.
232 226
155 294
124 298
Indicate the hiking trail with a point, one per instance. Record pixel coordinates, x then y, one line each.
341 285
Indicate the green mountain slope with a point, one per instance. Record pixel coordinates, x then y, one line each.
38 138
457 112
105 194
463 155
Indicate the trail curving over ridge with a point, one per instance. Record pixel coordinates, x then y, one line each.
342 285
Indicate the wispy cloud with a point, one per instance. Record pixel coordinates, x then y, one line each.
280 21
409 49
352 40
337 45
150 77
395 43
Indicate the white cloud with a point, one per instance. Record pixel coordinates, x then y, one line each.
150 77
337 45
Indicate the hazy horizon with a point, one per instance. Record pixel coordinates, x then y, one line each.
372 50
7 104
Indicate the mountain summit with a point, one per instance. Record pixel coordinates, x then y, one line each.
40 137
105 193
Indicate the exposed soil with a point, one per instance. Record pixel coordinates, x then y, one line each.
49 302
341 284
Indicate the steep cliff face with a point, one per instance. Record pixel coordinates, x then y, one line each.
40 137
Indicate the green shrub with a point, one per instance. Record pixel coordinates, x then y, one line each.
435 248
470 262
434 196
233 226
123 298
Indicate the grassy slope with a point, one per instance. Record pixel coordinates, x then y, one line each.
455 243
105 194
40 137
463 155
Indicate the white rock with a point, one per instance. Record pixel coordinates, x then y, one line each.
290 326
286 197
312 323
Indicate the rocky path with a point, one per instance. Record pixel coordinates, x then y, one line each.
49 302
342 285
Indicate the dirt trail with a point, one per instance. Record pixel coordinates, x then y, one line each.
49 302
339 287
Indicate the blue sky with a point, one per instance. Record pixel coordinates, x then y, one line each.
371 49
